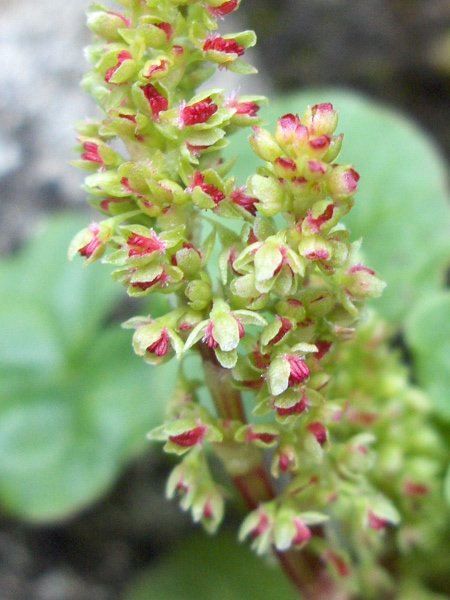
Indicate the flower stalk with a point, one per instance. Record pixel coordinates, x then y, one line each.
276 321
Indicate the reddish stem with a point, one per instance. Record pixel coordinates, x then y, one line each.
250 476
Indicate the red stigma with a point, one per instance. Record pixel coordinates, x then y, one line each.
219 44
121 58
157 101
189 438
199 112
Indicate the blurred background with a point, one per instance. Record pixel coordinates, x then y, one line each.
395 51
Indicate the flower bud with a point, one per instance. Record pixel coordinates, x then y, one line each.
361 282
289 132
262 435
107 24
264 145
188 259
342 182
321 119
90 242
199 294
269 193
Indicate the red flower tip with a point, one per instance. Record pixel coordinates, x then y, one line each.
315 166
262 525
154 69
286 164
121 58
243 200
360 268
289 129
219 44
91 153
208 337
284 462
162 279
88 250
157 101
376 522
299 369
189 438
196 113
266 438
412 488
199 181
167 28
351 179
320 143
315 224
141 245
323 348
224 9
318 431
296 409
161 345
243 108
286 326
303 533
124 19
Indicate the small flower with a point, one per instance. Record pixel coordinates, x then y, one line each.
323 119
90 248
302 533
289 369
156 69
376 522
258 525
199 112
289 404
342 182
160 346
290 132
261 435
157 101
189 438
121 58
91 153
314 225
243 200
319 432
249 109
167 28
284 460
91 242
223 9
162 280
299 370
155 340
361 282
185 434
211 190
219 44
140 245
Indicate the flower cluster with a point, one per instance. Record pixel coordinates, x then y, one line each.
275 318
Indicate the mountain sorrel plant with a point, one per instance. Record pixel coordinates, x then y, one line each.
312 417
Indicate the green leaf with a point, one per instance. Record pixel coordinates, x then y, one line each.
75 402
401 208
427 332
74 299
212 568
447 486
